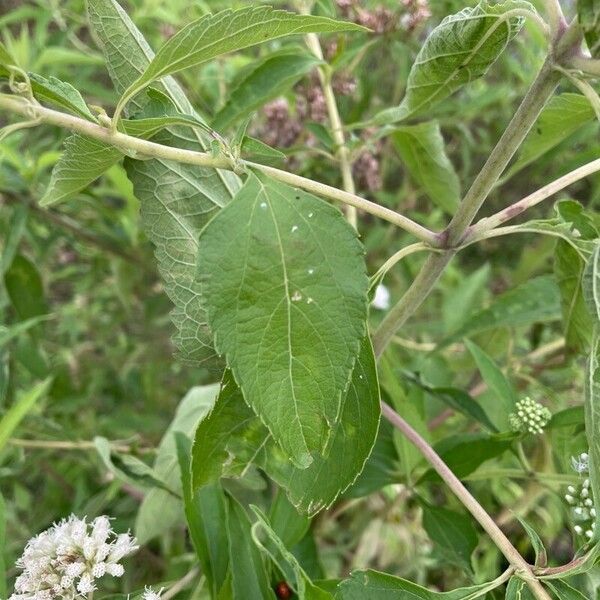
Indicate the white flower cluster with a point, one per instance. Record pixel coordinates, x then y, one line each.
65 560
150 594
580 499
530 416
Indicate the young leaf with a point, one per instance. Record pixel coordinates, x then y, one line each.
496 382
372 585
232 431
248 573
541 556
588 12
561 117
160 511
592 418
205 514
289 525
59 93
227 31
591 284
25 288
534 301
271 545
83 161
270 78
517 589
422 150
453 534
284 283
568 269
564 591
177 200
460 49
18 411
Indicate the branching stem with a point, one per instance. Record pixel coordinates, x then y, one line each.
145 148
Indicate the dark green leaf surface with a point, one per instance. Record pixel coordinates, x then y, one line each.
588 12
228 31
564 591
58 93
284 283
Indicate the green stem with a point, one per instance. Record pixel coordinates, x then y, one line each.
145 148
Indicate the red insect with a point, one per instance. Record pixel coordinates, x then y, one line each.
283 591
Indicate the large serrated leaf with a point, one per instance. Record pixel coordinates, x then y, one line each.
232 434
423 152
285 287
228 31
177 200
460 49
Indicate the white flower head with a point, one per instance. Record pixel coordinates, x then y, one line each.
382 298
65 560
580 499
150 594
529 417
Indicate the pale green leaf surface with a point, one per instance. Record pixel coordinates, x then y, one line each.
517 589
541 556
83 161
459 50
177 200
270 78
561 117
591 284
564 591
284 282
422 150
61 94
159 510
588 12
592 418
19 410
228 31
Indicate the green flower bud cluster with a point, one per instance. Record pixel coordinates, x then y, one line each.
529 417
580 499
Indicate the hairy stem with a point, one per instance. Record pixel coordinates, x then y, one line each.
337 127
149 149
462 493
555 14
508 213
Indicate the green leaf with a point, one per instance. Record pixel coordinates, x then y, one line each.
5 58
248 572
272 546
592 418
3 591
588 12
570 417
591 284
372 585
83 160
160 511
422 150
25 288
16 229
19 410
459 50
13 331
232 433
228 31
289 525
129 468
61 94
176 200
517 589
561 117
266 80
564 591
453 534
253 149
496 382
568 270
289 310
541 556
465 453
534 301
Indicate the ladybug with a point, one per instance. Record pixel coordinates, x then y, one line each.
283 591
